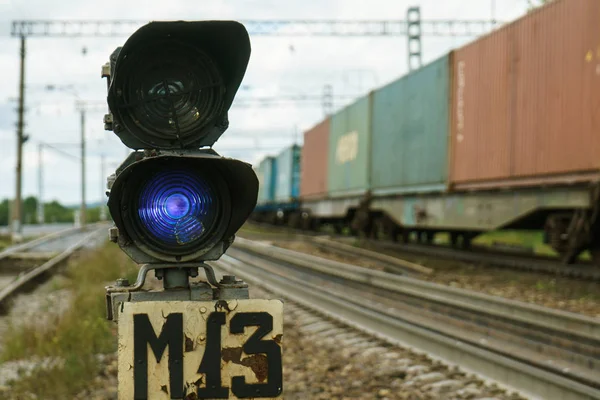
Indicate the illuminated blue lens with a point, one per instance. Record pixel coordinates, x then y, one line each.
177 207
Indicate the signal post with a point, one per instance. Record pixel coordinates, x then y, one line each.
177 204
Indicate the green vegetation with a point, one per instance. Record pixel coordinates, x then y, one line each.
5 241
4 210
54 212
75 337
528 239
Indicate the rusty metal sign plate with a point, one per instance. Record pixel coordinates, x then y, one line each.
200 350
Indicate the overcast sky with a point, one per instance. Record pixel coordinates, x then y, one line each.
278 66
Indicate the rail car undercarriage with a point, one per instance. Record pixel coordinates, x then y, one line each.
568 215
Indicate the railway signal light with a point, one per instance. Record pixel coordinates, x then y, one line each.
170 87
176 203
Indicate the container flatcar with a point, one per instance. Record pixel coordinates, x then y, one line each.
499 134
524 140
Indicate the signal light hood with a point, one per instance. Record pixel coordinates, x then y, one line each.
191 70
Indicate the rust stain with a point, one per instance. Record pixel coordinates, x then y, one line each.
189 344
277 339
256 362
191 396
163 388
222 305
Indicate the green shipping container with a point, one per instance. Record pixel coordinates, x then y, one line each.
410 132
348 159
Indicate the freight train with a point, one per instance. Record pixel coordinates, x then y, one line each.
503 133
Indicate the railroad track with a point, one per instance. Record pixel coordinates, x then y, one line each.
325 356
24 265
543 353
497 259
584 271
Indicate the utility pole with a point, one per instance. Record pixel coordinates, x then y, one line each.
327 101
40 204
295 134
47 146
17 228
82 210
414 34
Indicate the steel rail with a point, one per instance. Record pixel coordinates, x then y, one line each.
570 323
367 318
488 257
571 356
516 371
396 264
497 259
26 278
44 239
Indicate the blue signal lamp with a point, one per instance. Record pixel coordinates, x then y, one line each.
174 206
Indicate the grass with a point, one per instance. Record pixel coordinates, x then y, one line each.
529 239
250 228
76 336
5 241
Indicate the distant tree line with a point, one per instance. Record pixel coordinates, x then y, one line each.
54 212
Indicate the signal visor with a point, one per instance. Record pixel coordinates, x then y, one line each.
172 83
180 207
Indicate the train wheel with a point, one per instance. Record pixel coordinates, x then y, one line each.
466 241
380 229
371 230
305 221
454 239
294 221
420 237
555 231
396 232
315 224
429 236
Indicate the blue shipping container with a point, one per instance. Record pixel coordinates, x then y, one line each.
287 187
410 123
267 174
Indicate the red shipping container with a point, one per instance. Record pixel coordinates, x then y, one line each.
526 101
313 183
